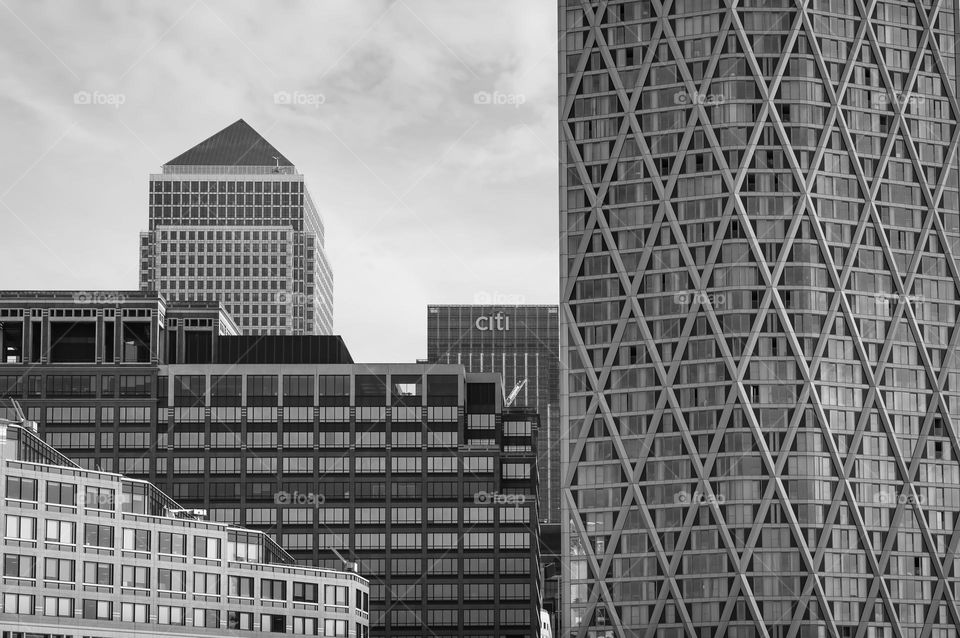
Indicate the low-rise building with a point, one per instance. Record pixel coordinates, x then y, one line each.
97 555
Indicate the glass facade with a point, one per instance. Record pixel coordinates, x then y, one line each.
759 222
520 343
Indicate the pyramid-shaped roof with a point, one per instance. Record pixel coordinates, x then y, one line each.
236 145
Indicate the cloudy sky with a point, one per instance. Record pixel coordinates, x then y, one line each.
428 196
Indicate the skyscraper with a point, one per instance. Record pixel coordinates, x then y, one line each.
758 303
231 220
520 343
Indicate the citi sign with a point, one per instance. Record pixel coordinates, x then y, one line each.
498 321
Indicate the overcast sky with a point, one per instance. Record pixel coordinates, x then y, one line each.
430 194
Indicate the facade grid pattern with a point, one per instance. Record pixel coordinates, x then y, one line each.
759 292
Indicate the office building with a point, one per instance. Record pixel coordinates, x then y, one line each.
89 553
231 220
416 472
520 343
759 223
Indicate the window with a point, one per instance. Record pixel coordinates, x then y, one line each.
207 584
240 586
59 569
305 626
405 464
56 606
99 498
304 592
204 547
244 552
98 535
21 489
20 604
132 576
73 386
514 540
62 532
17 566
171 580
337 595
337 628
273 589
61 493
515 470
172 543
136 540
22 528
135 612
134 386
274 623
167 615
98 609
206 618
240 620
98 574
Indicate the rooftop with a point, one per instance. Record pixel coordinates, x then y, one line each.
237 145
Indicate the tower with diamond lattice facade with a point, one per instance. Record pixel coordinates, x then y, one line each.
759 242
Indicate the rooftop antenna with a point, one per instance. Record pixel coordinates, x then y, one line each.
277 169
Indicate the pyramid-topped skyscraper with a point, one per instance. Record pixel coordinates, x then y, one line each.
231 220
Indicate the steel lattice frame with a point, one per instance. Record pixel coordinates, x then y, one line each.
842 320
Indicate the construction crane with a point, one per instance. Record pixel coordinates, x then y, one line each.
508 401
348 565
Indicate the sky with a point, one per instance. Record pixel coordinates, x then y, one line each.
426 131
